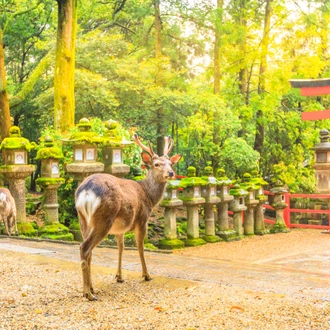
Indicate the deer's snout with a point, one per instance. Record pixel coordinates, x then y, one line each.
171 174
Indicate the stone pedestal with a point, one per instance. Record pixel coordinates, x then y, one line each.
112 158
192 206
223 220
237 206
50 205
211 199
279 205
80 171
170 203
16 175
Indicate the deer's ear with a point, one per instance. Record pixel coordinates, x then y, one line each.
146 158
174 159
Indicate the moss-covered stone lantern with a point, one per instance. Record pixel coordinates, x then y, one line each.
85 156
50 180
15 150
112 150
279 205
209 193
321 165
192 199
223 191
237 206
171 202
259 224
251 202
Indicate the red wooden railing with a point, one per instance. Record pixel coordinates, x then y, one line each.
288 210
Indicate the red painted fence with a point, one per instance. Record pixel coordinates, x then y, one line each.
288 210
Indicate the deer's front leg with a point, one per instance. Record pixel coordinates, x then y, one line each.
120 244
140 233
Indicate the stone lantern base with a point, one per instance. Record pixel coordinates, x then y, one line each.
118 170
80 171
16 175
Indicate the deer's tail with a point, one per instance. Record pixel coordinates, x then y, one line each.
87 202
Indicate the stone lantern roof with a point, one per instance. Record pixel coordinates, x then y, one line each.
49 151
222 178
238 191
113 135
84 134
16 141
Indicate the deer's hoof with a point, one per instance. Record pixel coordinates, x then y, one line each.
147 278
119 279
90 296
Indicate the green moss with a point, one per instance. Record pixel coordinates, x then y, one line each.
53 152
53 229
192 182
75 225
60 237
15 141
228 235
279 228
150 246
171 244
26 229
212 239
49 181
194 242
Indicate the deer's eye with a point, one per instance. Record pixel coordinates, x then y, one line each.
157 165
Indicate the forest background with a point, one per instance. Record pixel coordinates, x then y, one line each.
213 74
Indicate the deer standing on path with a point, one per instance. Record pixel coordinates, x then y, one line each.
110 205
8 211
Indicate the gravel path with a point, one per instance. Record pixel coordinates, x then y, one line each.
43 292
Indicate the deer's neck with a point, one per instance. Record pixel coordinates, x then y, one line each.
154 190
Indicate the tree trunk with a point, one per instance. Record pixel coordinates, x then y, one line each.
64 102
260 129
4 99
217 47
158 28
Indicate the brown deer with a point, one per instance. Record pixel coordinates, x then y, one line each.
110 205
8 211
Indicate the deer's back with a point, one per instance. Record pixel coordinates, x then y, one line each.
104 195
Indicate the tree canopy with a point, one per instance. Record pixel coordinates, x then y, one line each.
213 74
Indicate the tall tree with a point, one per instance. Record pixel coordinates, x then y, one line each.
260 129
217 46
9 11
64 101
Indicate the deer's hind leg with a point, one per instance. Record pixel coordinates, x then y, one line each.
120 245
140 233
94 237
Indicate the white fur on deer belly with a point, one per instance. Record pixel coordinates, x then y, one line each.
87 203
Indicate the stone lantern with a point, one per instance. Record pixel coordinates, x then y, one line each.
223 191
279 205
112 150
84 144
50 179
251 202
322 163
192 199
209 193
16 169
170 202
259 225
237 206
